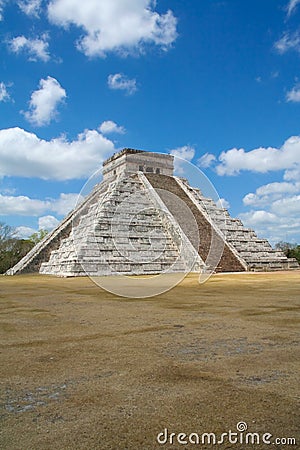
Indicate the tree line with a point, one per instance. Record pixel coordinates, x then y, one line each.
290 250
12 248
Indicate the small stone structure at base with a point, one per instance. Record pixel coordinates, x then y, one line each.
141 219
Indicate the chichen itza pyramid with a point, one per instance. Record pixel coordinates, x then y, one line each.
141 219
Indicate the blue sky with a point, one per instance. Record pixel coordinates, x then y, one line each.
214 81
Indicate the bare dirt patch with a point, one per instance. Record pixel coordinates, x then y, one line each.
83 369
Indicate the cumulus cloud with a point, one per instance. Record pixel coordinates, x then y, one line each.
278 188
288 207
268 193
292 174
4 95
206 160
108 126
65 203
260 217
44 223
275 207
47 222
280 217
288 42
293 95
36 49
114 26
23 154
186 152
275 226
24 232
261 159
119 81
30 7
44 102
22 205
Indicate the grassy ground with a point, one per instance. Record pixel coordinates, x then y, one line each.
82 369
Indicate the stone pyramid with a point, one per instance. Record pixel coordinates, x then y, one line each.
143 220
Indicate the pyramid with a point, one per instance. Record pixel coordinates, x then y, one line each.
143 220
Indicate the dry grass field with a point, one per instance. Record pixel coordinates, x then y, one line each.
82 369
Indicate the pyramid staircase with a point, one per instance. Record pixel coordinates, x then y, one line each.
124 231
134 223
257 253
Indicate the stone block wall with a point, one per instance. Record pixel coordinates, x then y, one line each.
229 261
257 253
123 232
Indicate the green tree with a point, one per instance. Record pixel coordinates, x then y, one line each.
12 249
290 250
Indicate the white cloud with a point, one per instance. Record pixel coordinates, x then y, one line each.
206 160
260 217
292 174
278 188
47 222
65 203
4 95
24 232
119 81
261 159
287 207
22 205
186 152
108 126
266 195
273 226
292 6
114 26
293 95
280 217
182 154
37 49
252 199
25 206
275 207
44 102
30 7
23 154
288 42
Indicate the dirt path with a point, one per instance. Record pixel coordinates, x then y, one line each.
82 369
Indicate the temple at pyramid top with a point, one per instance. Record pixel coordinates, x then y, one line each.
129 161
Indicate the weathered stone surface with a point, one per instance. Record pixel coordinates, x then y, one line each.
255 252
134 238
133 223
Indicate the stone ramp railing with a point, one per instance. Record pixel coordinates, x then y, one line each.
104 237
257 253
193 259
207 214
213 249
